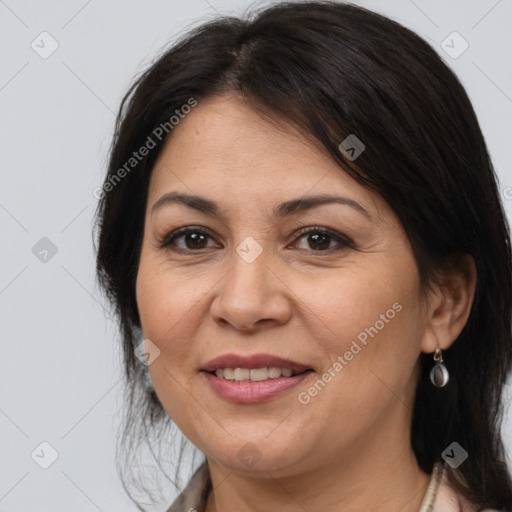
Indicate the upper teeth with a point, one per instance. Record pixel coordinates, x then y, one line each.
253 375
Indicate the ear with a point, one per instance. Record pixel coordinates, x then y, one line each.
449 303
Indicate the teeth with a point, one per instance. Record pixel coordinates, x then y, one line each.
274 372
259 374
242 373
254 375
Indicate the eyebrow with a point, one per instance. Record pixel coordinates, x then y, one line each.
282 210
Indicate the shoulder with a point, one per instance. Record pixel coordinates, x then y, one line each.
448 500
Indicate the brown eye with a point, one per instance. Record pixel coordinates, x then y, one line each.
193 239
320 239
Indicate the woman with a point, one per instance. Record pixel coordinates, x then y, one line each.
302 235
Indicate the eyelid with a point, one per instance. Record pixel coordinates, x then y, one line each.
170 237
342 240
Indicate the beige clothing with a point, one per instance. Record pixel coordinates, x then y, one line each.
193 498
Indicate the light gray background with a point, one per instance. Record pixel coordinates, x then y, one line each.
60 376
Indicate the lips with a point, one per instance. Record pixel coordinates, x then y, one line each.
245 392
253 362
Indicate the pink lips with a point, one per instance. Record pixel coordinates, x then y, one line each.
248 391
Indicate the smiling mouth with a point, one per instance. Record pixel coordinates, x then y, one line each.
255 374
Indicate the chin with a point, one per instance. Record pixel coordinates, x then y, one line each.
259 457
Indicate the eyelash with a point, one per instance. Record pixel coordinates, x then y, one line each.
343 241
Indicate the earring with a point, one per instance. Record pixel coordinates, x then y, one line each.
439 375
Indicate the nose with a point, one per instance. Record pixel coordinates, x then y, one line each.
251 295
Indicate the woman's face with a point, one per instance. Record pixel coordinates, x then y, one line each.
258 278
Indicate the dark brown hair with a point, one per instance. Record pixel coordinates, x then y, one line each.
336 69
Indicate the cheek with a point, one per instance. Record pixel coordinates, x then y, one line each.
166 310
164 306
368 330
344 305
371 318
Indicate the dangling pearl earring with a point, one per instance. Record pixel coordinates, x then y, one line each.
439 375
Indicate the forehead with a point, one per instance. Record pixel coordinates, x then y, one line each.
225 149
